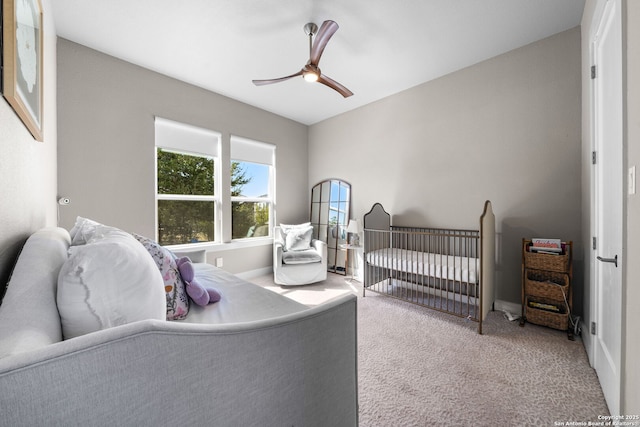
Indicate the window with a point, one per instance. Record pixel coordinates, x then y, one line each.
252 183
194 204
187 196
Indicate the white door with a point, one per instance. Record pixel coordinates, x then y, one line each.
607 86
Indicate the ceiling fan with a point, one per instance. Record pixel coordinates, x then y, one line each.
311 72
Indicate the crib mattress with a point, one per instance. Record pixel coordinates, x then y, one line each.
449 267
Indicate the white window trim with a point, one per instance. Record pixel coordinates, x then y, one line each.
187 197
250 242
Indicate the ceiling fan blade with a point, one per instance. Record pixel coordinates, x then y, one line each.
270 81
327 81
326 31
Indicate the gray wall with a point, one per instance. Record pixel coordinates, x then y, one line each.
28 167
106 152
506 129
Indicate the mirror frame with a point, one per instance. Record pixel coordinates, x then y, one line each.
329 215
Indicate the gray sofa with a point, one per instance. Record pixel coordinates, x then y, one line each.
253 359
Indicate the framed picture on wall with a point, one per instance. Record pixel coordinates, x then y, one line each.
22 61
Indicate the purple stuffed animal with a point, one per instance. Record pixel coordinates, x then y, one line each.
198 293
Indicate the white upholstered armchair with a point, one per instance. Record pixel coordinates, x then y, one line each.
298 259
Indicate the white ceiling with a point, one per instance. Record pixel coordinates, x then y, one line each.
381 48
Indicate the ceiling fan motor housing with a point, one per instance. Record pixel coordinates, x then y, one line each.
310 29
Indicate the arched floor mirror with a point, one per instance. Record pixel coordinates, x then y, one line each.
330 206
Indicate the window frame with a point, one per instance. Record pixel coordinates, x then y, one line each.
171 141
221 152
265 154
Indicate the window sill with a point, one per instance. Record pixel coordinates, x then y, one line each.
219 247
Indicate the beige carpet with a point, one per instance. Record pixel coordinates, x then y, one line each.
417 367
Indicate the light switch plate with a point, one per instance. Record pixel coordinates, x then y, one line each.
632 180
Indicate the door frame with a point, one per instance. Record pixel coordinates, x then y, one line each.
590 340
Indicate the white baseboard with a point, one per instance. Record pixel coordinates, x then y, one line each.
511 307
587 340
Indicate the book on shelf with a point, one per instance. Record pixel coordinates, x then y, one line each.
554 308
546 246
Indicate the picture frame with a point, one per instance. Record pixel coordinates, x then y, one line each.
22 56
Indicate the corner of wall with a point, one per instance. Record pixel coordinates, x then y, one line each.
28 168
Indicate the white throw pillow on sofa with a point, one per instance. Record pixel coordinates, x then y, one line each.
111 280
287 227
83 230
296 237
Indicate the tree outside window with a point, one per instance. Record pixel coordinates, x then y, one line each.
187 199
250 201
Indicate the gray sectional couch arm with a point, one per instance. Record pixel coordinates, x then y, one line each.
297 369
